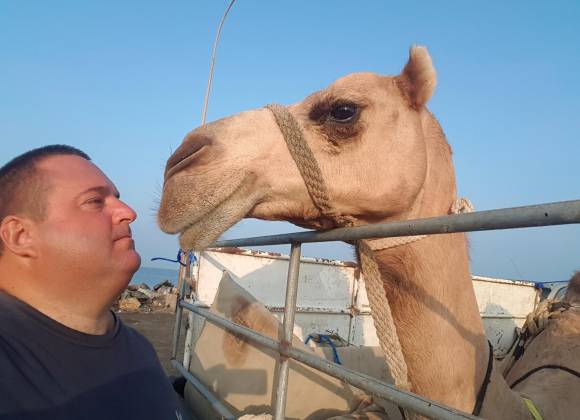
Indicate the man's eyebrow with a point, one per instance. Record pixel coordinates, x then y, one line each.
104 190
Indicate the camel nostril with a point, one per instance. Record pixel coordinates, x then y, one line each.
192 144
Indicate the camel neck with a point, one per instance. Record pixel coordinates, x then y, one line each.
430 291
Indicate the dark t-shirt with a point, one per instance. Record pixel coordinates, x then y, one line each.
49 371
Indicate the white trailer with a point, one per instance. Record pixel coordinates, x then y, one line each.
332 297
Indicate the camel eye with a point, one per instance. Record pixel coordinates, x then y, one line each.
343 113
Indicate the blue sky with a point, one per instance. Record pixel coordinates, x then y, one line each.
124 81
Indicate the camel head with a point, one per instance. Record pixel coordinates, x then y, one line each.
374 140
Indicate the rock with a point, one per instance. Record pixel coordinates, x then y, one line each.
161 284
130 304
147 292
126 294
138 294
141 298
165 290
165 303
144 286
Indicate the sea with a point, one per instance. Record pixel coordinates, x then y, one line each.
153 275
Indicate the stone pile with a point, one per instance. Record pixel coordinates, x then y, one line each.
142 298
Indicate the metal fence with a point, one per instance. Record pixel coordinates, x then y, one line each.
567 212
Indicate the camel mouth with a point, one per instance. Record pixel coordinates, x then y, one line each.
202 231
177 213
190 240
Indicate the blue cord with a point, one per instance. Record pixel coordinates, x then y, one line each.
327 339
541 284
192 258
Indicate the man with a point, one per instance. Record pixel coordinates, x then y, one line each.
66 253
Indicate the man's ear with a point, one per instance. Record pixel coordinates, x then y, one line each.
16 234
418 79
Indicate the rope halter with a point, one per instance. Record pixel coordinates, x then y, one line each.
378 302
314 181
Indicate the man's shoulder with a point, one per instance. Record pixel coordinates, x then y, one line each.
133 334
14 318
9 305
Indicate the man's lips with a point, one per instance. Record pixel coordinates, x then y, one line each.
124 235
125 241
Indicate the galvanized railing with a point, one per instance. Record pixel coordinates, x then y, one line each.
567 212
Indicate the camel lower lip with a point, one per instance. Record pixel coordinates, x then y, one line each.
184 232
205 228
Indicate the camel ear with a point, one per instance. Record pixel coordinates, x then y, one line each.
418 79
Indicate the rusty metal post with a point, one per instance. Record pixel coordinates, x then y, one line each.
184 272
287 331
190 334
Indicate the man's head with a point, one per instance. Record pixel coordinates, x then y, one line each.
23 187
62 225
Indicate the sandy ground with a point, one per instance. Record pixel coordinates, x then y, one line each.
158 328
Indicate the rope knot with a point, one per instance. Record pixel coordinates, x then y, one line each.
462 205
538 320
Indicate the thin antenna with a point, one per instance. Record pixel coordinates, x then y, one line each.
516 268
215 44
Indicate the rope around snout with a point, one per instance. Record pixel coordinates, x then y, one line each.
305 161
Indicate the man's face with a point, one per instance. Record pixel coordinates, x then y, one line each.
85 231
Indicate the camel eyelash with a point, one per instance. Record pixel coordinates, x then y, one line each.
319 111
335 110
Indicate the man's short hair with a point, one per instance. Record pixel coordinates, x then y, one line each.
23 187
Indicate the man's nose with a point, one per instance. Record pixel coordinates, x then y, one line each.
124 213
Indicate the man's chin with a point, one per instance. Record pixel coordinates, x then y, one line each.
134 262
129 265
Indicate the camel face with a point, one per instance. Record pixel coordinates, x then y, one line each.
365 130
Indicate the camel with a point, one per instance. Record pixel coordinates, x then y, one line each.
384 157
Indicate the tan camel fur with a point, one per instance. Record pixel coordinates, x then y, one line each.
384 157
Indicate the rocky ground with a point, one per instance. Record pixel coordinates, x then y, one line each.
141 298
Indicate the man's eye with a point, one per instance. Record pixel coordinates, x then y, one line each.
95 201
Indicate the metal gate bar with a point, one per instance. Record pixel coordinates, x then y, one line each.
561 213
184 271
204 392
287 331
566 212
